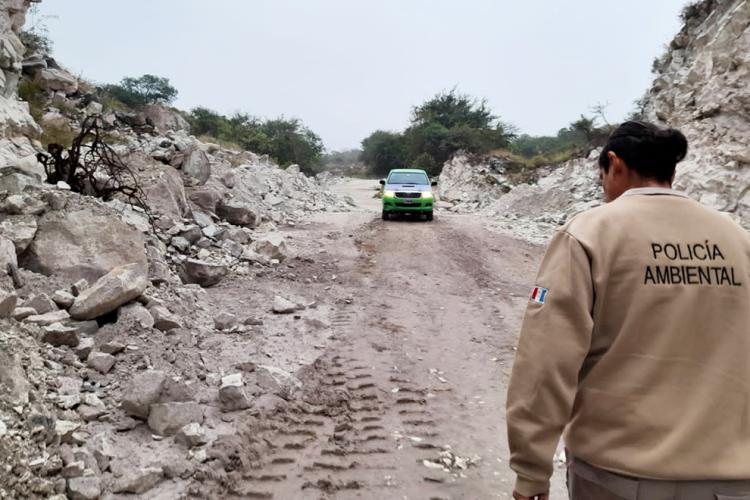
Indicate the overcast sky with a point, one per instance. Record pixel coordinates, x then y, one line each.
349 67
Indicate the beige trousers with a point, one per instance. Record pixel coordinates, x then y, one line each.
586 482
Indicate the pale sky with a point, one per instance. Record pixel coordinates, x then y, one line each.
349 67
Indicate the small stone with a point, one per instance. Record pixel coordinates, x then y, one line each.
283 306
205 274
138 481
100 361
41 303
84 488
232 394
85 327
73 469
180 244
163 319
143 390
8 301
58 335
48 318
113 347
21 313
78 287
137 313
84 348
167 418
63 299
191 435
101 448
65 429
225 321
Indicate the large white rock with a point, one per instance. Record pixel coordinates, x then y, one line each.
58 80
197 165
81 244
114 289
20 229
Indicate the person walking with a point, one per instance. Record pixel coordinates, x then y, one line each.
636 342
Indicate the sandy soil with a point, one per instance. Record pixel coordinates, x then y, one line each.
406 397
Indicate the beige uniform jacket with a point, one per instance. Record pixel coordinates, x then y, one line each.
637 344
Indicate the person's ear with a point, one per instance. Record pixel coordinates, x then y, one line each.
616 163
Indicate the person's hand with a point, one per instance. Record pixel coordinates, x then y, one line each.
541 496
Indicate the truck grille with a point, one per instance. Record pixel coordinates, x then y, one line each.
408 195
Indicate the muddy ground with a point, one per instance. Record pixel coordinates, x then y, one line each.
415 339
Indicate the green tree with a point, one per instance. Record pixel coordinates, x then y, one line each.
142 91
288 141
382 151
440 127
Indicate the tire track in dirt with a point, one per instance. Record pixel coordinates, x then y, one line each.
412 388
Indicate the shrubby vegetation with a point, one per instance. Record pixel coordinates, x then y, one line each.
443 125
575 140
288 141
141 91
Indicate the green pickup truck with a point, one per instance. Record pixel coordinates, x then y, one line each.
407 190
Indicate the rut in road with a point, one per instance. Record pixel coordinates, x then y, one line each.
407 402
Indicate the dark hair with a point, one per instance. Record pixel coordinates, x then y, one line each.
649 150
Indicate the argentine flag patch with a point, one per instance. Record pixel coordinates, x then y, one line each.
539 295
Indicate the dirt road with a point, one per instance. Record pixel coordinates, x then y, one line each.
407 400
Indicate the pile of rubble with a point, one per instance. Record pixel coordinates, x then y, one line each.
104 381
529 210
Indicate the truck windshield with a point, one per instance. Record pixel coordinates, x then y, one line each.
408 178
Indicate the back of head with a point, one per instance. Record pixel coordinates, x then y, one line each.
647 149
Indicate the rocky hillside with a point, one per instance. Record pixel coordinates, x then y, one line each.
127 339
702 87
17 127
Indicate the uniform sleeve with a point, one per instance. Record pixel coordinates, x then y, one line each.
554 342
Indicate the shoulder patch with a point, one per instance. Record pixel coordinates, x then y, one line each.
539 295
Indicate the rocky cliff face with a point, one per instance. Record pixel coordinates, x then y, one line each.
703 88
17 127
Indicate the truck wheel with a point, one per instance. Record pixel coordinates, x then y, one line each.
385 215
429 216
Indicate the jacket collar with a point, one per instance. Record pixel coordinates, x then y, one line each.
651 191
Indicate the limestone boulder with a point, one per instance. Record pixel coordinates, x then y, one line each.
57 80
81 244
163 186
238 213
143 391
165 119
203 273
196 166
114 289
20 229
207 199
271 246
167 418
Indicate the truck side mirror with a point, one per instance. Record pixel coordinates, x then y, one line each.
382 182
433 183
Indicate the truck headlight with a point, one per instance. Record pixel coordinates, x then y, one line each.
427 194
389 194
